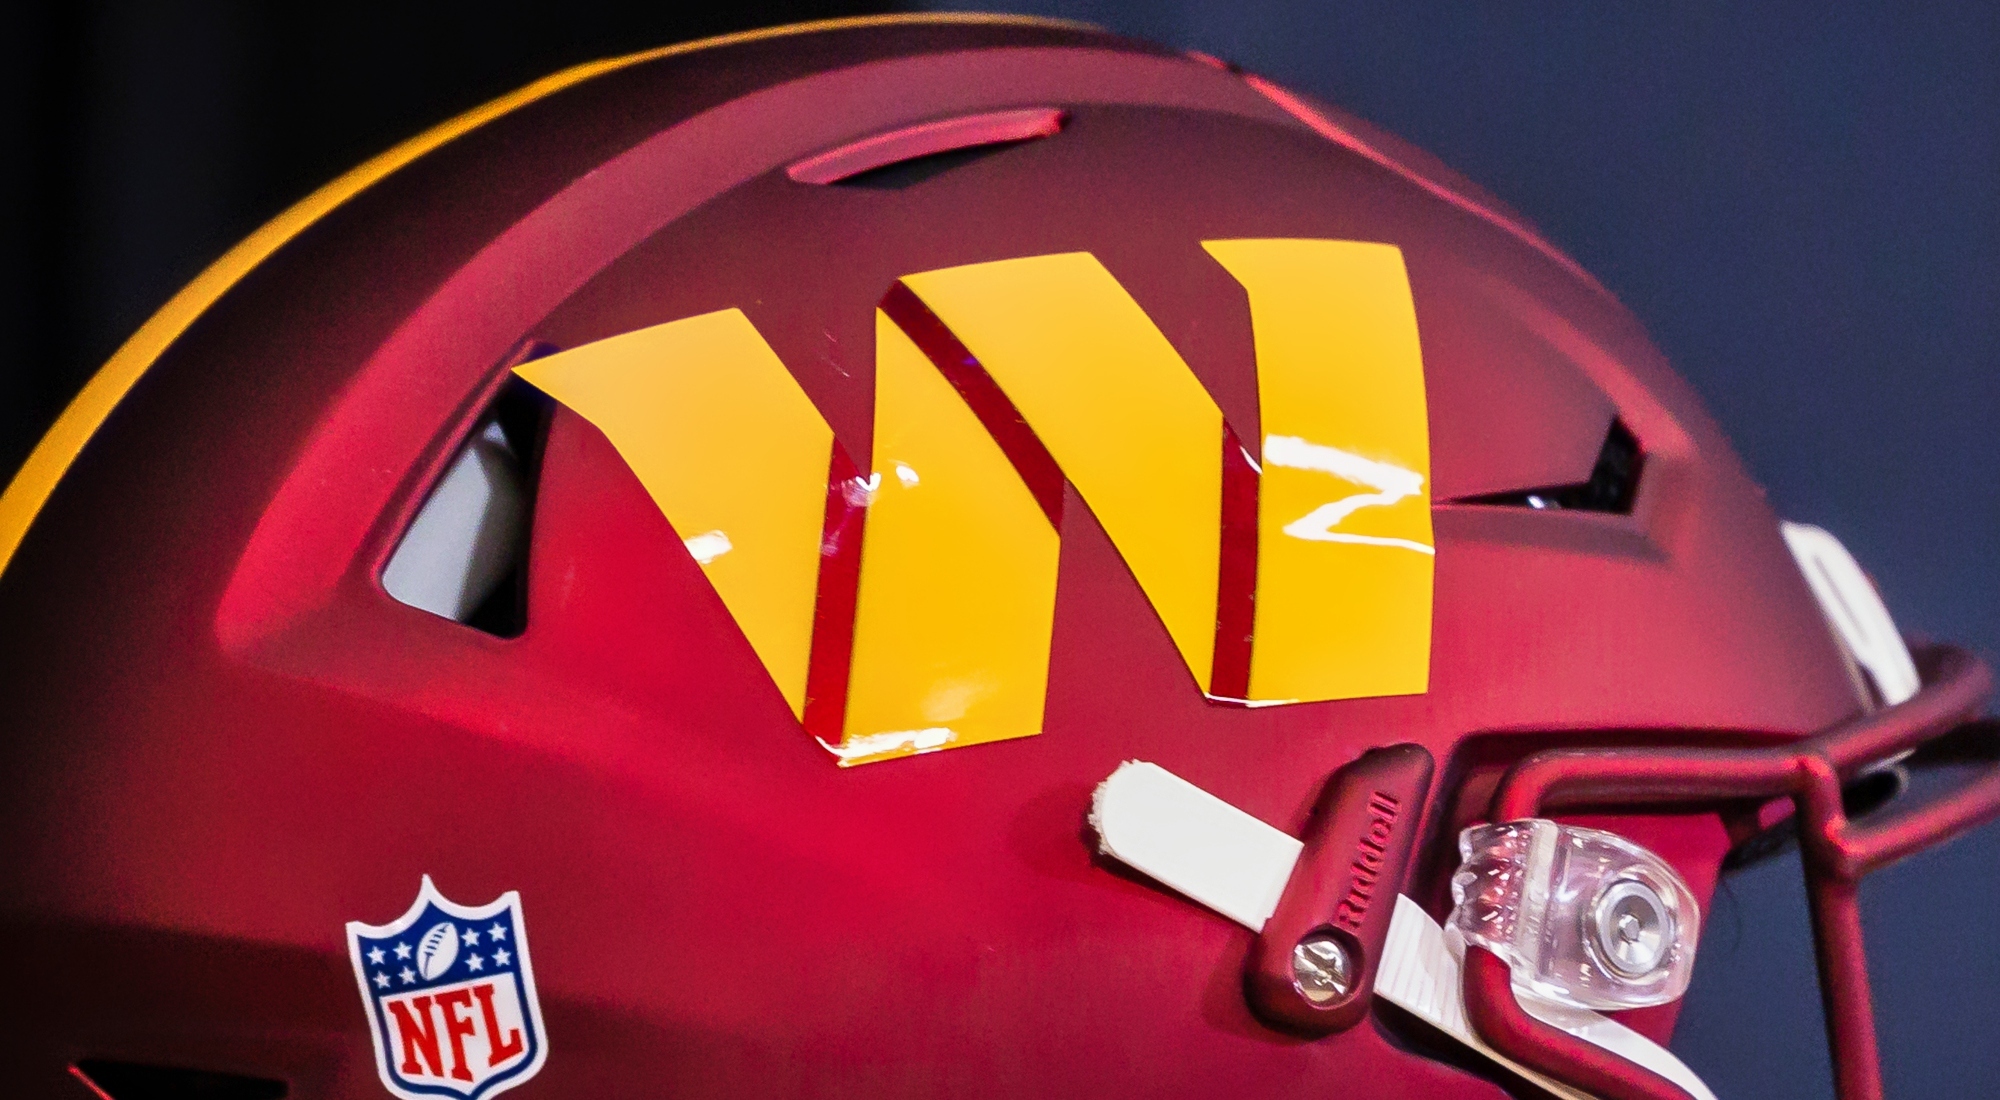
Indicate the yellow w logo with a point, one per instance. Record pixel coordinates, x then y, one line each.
910 607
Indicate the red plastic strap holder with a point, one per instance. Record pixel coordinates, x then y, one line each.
1358 847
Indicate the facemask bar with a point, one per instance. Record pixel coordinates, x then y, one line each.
1836 854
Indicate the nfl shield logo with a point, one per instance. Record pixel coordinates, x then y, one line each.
450 995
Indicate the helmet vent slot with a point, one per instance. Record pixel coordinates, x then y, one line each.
133 1081
464 556
913 154
1614 482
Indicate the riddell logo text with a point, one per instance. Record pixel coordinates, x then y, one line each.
1368 859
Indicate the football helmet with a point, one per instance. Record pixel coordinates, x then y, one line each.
918 556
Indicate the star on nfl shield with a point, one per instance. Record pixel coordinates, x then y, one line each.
450 995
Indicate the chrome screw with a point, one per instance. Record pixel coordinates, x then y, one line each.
1633 927
1322 969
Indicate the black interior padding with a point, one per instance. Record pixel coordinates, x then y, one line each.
1614 482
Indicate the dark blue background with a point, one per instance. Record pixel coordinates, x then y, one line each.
1800 202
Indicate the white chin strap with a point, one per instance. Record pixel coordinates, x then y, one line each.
1421 974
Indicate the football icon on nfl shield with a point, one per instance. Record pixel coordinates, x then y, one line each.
450 996
437 950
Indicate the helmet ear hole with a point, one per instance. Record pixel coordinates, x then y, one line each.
464 556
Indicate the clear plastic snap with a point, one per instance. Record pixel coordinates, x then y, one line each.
1582 917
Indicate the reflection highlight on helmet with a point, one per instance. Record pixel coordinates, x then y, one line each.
1390 482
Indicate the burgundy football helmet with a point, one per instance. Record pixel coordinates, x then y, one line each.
936 556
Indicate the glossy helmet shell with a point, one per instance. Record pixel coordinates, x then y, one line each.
226 738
